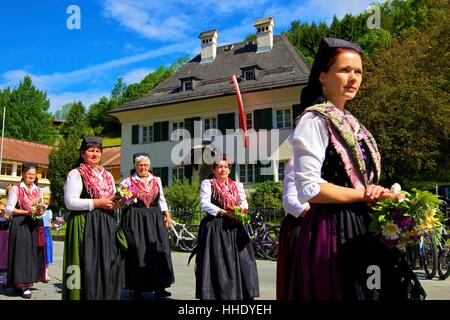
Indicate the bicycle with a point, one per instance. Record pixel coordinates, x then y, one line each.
264 238
183 236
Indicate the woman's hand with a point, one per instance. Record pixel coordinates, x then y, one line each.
107 204
229 214
374 193
168 219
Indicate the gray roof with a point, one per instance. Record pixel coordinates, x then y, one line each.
280 67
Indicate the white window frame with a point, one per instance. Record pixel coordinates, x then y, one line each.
246 169
284 123
174 125
150 134
176 171
185 82
251 119
247 72
284 162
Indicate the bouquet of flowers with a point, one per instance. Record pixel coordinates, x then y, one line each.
241 213
126 195
38 209
402 222
59 224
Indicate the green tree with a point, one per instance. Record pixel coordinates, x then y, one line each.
404 100
76 121
27 115
61 114
182 195
267 194
61 161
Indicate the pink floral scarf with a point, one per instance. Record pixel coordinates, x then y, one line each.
147 192
27 197
96 187
225 196
341 127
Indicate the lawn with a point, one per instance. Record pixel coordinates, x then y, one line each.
110 142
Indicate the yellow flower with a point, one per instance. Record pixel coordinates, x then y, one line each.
390 231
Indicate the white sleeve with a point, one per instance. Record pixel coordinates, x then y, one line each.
241 191
50 215
309 141
72 191
162 200
205 198
13 196
291 203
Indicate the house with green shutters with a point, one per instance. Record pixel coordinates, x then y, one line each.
201 94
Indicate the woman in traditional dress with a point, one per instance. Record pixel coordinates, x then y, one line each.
92 260
290 227
148 261
26 254
337 170
225 261
47 220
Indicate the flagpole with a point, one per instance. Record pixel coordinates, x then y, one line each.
3 137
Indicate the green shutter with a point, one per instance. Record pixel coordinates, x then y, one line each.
164 175
165 131
157 131
296 111
262 119
189 125
156 171
188 172
233 172
135 134
260 177
225 121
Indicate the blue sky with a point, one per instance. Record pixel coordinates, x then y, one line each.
123 38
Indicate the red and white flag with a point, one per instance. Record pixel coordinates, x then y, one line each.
242 120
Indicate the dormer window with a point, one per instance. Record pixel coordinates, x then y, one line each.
187 85
249 75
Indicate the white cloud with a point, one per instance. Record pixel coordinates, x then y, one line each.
145 21
87 98
136 75
61 80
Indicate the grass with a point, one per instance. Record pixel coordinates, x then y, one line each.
110 142
62 232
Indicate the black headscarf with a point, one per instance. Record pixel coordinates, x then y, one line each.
312 93
87 143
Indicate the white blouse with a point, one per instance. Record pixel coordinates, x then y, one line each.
13 196
309 141
291 203
205 197
72 191
162 200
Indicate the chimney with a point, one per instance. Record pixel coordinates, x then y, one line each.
264 34
208 45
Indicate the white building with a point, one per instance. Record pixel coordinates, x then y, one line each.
271 74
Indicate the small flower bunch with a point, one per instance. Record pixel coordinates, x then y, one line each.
402 222
126 195
38 209
59 224
241 213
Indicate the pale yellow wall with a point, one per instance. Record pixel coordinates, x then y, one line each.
160 151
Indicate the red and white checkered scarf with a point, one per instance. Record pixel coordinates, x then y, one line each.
97 187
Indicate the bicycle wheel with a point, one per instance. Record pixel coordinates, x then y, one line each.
188 237
444 264
270 242
411 256
429 258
